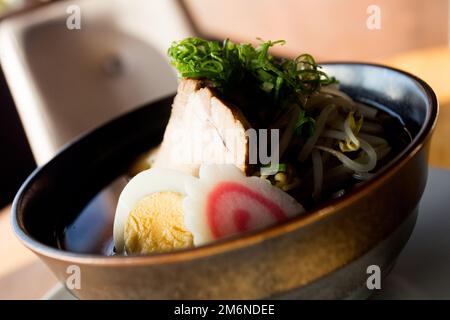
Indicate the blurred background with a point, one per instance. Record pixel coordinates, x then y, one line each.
68 66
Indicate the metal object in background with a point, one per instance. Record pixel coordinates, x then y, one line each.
65 82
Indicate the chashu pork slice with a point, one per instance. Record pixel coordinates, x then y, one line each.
202 129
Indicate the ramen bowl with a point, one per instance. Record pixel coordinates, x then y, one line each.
328 253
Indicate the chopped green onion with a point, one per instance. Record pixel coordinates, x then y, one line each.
229 65
305 125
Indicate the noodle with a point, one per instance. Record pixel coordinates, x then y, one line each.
334 134
320 124
352 164
373 140
366 111
317 173
289 131
362 175
337 172
382 151
318 101
350 135
371 128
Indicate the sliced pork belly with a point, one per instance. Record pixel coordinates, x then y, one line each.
202 129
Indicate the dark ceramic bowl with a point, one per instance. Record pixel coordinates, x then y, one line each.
324 254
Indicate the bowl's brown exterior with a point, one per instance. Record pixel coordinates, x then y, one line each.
269 263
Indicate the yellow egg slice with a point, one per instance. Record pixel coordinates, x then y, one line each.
149 216
156 225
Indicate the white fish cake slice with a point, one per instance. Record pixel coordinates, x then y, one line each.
224 202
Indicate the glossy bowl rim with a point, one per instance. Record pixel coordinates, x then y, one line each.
251 238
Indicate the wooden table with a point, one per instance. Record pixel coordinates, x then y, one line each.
433 66
24 276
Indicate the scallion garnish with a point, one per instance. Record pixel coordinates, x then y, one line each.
229 64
